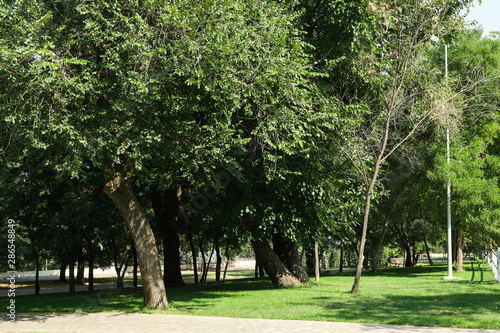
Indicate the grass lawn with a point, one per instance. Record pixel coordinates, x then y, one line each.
407 296
55 284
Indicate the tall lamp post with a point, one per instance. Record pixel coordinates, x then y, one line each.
448 187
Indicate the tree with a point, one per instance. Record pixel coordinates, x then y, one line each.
401 89
123 84
473 170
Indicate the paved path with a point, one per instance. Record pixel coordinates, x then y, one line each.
133 322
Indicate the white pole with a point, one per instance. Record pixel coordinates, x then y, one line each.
448 187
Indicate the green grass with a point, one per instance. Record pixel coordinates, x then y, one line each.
407 296
54 284
232 273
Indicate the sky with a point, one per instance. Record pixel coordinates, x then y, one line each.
487 15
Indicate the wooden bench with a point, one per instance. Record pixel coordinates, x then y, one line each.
395 262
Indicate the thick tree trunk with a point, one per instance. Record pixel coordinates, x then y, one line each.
408 261
62 270
288 253
274 267
166 208
121 192
172 262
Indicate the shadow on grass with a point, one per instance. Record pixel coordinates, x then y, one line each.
196 297
131 300
89 301
472 301
436 310
406 272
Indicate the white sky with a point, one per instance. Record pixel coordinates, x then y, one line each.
487 15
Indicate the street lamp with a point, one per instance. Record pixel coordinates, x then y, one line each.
448 187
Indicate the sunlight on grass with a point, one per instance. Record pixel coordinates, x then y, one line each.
408 296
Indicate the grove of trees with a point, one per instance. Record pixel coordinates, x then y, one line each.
133 126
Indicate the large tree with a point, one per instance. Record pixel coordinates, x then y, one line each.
125 83
398 91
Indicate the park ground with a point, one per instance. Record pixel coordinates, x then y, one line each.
415 296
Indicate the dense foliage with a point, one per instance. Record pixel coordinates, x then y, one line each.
229 122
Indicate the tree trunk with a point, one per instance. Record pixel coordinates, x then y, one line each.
427 251
134 253
341 267
365 261
219 259
121 192
309 260
80 272
203 259
288 253
194 253
227 261
124 270
460 247
405 243
166 208
454 247
274 267
62 270
415 255
91 263
316 261
408 261
72 289
256 267
386 224
37 272
361 251
261 270
205 274
118 262
172 274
